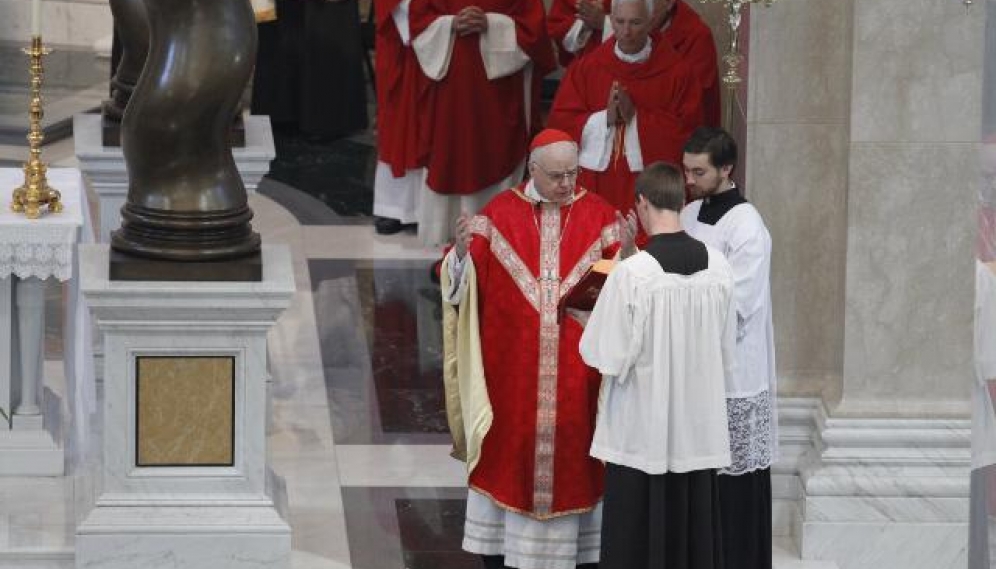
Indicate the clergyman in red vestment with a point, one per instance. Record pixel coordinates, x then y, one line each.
579 26
632 101
520 400
401 94
684 30
481 59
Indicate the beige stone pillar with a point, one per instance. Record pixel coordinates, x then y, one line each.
863 118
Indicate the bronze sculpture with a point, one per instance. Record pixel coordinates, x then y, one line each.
131 29
186 200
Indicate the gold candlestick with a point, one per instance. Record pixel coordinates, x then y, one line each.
35 192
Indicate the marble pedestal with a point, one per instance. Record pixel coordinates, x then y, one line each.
183 481
105 171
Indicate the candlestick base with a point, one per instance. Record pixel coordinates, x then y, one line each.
35 193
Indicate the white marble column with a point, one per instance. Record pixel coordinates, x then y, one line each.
29 431
30 304
7 351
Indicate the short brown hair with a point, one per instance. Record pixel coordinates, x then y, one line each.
662 185
715 142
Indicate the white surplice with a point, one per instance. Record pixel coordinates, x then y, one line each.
741 236
664 343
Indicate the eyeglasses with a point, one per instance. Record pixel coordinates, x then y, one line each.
565 176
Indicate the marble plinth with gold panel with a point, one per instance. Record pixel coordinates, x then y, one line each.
184 455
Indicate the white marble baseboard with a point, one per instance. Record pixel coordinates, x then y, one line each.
36 450
886 493
887 545
189 537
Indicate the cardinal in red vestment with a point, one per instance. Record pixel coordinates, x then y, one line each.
482 59
632 101
521 402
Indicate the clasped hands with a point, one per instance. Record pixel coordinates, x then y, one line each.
591 14
470 20
619 109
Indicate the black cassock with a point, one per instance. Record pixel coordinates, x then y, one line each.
309 69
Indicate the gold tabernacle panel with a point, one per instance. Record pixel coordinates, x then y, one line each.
185 410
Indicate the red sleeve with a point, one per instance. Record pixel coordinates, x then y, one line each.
570 111
421 14
559 21
664 128
531 35
480 251
701 56
382 12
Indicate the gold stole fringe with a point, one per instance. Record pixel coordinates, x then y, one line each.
468 409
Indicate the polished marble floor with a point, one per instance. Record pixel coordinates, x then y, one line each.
357 435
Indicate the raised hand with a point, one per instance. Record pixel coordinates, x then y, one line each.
627 233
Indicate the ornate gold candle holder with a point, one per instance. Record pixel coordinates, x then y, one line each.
35 192
733 58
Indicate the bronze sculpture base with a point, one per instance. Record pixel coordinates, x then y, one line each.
132 268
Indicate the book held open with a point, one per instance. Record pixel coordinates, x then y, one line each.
585 293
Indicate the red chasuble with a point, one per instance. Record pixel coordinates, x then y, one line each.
401 93
692 38
534 459
479 133
668 104
563 14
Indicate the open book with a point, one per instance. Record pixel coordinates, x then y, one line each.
585 293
